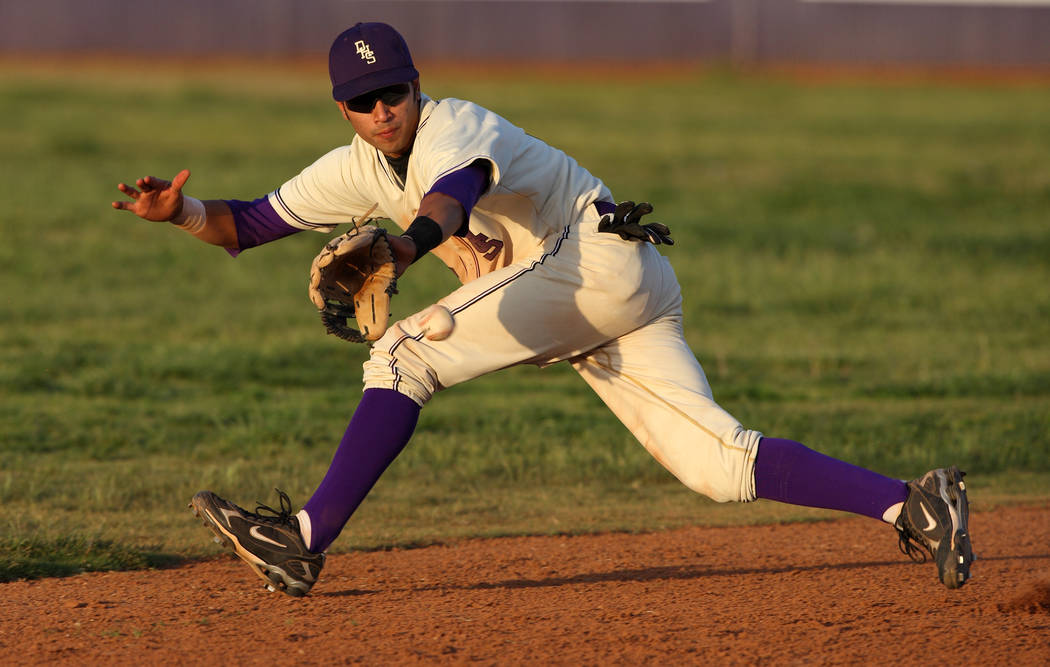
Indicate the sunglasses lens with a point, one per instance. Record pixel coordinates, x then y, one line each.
390 96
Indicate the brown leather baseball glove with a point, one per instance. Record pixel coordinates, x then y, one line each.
353 277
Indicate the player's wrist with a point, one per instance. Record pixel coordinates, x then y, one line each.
193 215
426 234
404 251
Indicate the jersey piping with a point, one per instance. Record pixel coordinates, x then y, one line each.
298 218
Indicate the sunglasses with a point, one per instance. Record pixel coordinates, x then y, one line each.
390 96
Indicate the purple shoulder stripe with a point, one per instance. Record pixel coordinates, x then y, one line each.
257 223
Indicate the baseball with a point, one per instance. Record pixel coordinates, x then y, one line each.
437 322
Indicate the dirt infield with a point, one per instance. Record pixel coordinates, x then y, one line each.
829 592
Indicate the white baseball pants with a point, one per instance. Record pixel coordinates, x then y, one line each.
612 309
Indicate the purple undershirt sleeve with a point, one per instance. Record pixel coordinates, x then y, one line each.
465 185
257 223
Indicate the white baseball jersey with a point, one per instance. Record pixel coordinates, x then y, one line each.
535 190
541 285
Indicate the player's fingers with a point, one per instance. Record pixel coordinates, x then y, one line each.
642 209
661 232
128 190
622 209
150 183
180 179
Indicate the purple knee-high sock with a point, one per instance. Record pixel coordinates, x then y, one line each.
790 472
378 431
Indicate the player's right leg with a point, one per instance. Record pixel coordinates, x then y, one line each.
526 312
538 310
287 550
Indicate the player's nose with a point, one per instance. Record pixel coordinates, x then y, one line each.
381 112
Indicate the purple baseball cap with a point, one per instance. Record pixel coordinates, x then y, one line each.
367 57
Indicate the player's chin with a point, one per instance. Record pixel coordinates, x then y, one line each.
390 143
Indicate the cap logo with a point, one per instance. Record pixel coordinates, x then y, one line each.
365 51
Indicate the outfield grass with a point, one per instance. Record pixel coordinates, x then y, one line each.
865 268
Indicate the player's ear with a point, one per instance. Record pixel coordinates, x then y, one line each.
417 91
342 109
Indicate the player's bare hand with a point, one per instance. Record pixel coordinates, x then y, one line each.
154 198
404 250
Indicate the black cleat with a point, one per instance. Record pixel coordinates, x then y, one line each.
271 545
935 517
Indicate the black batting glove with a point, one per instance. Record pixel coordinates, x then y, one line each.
625 221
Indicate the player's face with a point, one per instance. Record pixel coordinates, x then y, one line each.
386 118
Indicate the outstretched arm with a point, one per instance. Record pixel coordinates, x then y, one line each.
159 200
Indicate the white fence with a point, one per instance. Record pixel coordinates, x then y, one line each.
925 32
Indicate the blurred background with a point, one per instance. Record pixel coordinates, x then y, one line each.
864 258
1003 33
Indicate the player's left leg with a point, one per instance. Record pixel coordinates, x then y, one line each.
653 383
650 379
789 472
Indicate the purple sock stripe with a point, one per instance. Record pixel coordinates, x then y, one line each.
790 472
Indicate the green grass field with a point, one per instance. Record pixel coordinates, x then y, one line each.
866 268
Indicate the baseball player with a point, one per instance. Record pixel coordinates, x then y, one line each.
552 270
